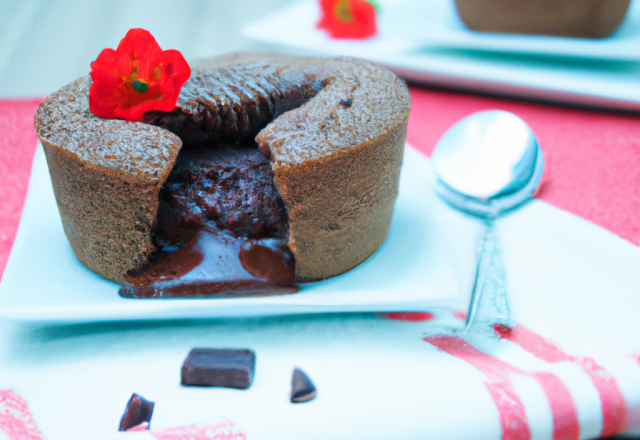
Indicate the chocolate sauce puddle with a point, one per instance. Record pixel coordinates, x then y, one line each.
221 231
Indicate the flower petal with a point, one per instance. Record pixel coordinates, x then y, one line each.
361 22
137 58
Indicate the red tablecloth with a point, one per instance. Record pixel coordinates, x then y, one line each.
592 158
17 146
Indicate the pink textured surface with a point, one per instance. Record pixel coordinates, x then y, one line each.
17 145
15 418
592 159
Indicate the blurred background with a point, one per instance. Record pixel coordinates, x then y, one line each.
45 44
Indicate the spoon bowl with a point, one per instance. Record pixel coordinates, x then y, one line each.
487 163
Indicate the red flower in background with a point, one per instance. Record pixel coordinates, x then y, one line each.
135 78
348 19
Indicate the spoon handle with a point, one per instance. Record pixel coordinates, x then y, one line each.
489 304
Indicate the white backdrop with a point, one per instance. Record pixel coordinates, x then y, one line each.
45 44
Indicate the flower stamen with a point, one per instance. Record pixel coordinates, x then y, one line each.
343 11
140 86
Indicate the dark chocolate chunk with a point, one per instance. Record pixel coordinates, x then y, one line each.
302 389
219 368
138 411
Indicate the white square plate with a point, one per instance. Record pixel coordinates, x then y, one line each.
45 282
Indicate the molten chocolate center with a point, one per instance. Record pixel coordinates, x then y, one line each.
221 230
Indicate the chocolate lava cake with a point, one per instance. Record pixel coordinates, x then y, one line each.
271 170
568 18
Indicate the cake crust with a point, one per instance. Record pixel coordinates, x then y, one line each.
340 207
334 130
106 176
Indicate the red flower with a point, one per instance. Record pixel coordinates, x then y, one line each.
348 19
135 78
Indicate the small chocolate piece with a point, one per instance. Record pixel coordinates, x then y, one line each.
138 411
210 367
302 389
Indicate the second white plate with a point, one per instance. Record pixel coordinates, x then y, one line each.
444 28
424 41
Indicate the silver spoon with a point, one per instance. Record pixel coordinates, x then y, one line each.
486 164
